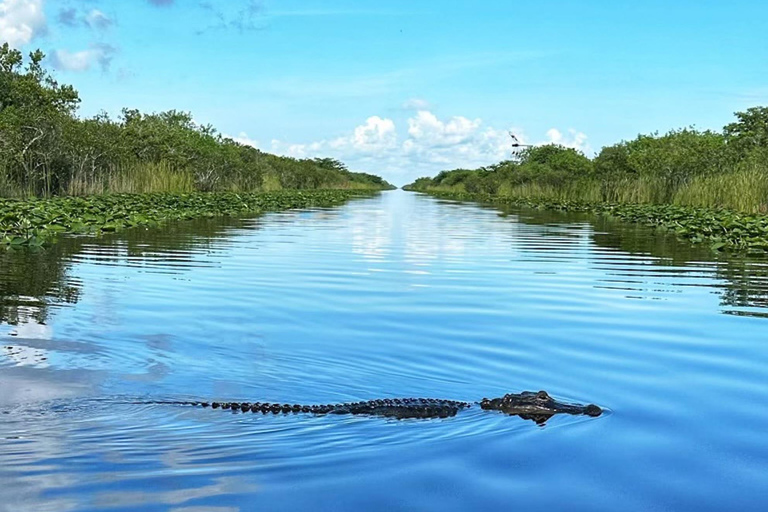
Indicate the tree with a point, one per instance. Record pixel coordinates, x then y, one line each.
559 159
33 110
750 131
46 149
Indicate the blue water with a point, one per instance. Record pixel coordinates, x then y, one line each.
396 295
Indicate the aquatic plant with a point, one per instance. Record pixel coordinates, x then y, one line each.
38 221
722 229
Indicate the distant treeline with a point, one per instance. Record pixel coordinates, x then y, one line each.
46 149
727 169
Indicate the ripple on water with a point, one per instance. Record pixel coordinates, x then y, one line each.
398 295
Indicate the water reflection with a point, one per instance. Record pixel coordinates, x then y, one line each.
33 284
744 281
398 295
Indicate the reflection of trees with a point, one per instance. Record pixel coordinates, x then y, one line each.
745 279
747 284
34 281
177 242
618 235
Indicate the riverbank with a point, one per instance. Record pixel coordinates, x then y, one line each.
47 150
39 221
723 230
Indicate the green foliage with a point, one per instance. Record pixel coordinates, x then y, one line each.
35 222
721 229
750 131
672 159
685 167
33 110
46 150
559 159
692 182
545 166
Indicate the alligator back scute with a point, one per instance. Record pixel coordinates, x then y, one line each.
536 406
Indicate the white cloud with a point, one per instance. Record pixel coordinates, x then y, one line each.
415 104
243 139
573 139
427 145
375 135
21 21
98 20
426 129
95 19
84 60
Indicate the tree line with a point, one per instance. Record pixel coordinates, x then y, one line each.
46 149
688 167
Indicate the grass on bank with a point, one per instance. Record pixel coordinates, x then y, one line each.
744 190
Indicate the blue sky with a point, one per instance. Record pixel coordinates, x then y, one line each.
407 88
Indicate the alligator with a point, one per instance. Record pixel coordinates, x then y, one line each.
536 406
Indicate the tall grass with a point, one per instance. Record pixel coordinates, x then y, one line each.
139 178
744 189
271 183
687 167
10 187
582 191
148 177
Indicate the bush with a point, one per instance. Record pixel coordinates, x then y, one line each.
46 150
687 167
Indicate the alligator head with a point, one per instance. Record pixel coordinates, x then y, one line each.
538 407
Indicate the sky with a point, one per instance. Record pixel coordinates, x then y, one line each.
401 88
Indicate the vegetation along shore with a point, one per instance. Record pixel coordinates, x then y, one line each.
33 222
60 173
47 150
707 187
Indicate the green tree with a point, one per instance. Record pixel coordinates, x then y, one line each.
33 110
46 149
559 159
750 131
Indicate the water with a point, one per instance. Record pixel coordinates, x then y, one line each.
397 295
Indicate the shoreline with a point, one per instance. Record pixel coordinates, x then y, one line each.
724 230
36 222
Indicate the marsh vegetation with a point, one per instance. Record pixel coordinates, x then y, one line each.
37 221
686 167
705 186
47 150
